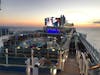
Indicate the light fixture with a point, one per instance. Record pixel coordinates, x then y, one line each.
18 47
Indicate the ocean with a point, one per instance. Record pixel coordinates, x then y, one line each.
93 36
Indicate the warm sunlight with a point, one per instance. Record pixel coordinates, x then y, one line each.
78 18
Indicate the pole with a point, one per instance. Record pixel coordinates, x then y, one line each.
16 39
60 62
33 68
54 70
6 56
28 71
32 53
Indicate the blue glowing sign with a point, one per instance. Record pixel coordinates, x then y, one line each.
53 30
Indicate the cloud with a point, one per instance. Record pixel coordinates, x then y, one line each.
96 22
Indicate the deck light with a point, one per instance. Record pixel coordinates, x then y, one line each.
53 49
18 47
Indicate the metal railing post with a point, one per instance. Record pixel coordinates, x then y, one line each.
54 70
80 61
6 56
60 60
28 68
85 65
32 57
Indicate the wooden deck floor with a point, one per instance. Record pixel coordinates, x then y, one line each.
71 67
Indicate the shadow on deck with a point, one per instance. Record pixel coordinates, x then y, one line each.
10 73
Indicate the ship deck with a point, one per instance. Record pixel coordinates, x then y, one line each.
11 73
71 66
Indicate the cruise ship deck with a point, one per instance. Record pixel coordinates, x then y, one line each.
55 50
71 66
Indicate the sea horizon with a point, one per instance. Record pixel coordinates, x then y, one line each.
93 36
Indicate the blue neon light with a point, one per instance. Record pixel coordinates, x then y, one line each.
53 31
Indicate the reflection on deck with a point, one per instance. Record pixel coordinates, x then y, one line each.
71 66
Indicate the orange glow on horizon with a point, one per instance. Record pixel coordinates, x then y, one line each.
22 23
38 22
87 26
41 24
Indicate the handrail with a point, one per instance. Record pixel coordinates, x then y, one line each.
90 49
85 64
94 67
31 64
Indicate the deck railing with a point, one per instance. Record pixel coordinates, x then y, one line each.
90 49
33 66
83 63
88 65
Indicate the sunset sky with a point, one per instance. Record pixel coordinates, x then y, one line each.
32 12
